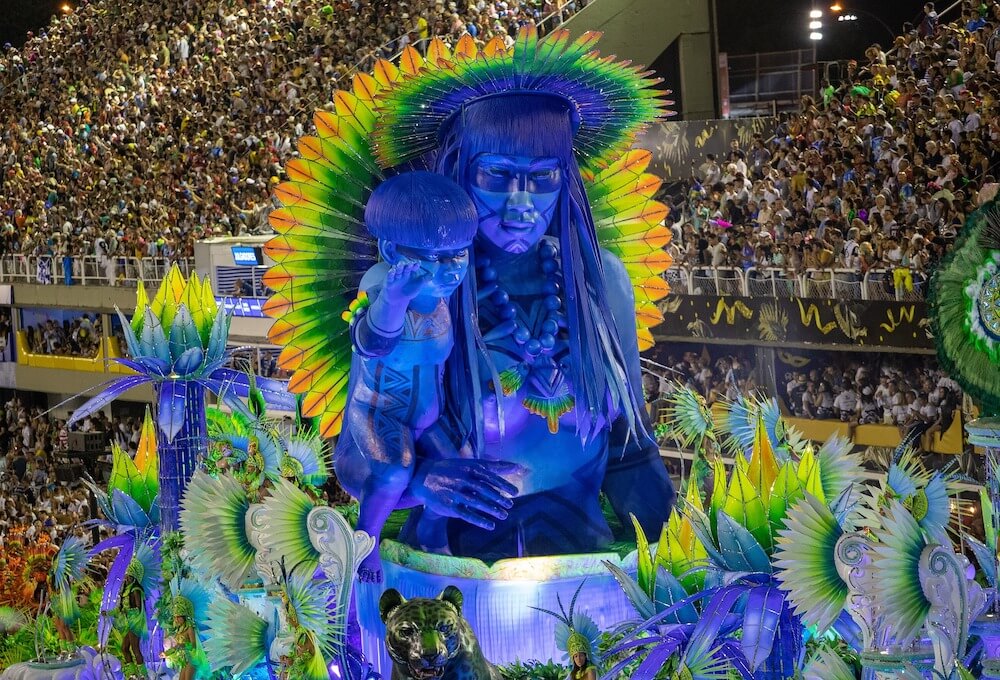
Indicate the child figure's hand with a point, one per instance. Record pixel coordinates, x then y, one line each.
404 280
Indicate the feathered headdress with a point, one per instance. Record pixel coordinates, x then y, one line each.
70 562
396 114
964 300
213 519
576 632
610 101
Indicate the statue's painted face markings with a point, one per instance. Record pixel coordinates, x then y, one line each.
516 197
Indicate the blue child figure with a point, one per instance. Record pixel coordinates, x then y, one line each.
424 223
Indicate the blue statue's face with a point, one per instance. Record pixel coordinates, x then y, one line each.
516 197
443 269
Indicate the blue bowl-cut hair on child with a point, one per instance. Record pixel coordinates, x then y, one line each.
422 210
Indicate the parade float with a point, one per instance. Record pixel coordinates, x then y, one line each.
467 260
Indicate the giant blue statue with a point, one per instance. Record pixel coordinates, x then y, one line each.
538 409
467 263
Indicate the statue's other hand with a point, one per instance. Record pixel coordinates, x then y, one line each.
474 491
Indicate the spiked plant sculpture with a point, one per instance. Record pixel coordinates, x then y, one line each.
712 593
130 508
177 341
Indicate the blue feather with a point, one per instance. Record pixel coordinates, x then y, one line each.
183 333
170 408
740 549
760 623
127 512
669 592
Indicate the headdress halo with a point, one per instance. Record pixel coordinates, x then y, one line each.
610 101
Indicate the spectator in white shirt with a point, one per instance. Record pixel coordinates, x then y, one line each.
846 403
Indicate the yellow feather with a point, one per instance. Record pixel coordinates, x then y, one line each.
176 285
145 456
277 305
365 87
651 289
353 110
327 124
466 49
495 48
648 314
645 339
331 424
653 263
763 468
410 61
386 72
438 52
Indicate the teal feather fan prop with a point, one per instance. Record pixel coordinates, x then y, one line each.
238 639
964 302
213 519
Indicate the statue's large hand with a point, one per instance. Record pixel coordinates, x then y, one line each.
469 490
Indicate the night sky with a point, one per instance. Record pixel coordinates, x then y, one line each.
783 25
17 17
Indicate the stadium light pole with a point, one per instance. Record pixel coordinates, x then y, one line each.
852 15
815 24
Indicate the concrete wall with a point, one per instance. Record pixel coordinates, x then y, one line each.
99 299
641 30
89 298
58 381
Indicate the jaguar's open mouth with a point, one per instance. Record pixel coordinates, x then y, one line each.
431 673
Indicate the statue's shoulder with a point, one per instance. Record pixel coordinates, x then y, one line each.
616 277
374 277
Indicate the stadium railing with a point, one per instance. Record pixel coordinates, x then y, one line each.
777 282
89 270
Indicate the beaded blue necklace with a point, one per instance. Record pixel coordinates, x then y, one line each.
547 390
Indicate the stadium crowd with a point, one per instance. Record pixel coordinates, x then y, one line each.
852 388
131 130
860 390
80 337
35 500
724 376
879 172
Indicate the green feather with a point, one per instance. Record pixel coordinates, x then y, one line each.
826 665
213 519
70 563
237 638
550 408
838 468
806 566
896 563
966 352
284 527
688 417
313 603
11 620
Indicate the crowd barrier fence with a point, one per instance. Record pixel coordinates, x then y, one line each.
901 284
89 270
